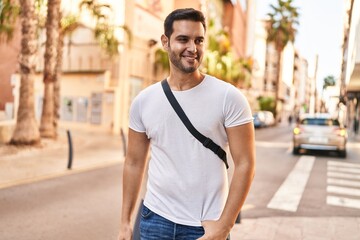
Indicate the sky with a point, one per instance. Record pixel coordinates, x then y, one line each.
320 32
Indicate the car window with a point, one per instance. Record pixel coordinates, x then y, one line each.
320 122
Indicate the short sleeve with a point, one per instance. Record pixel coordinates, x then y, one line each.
135 121
236 108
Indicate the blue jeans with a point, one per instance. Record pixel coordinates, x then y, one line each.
155 227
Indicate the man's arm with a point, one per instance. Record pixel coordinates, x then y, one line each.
242 148
134 166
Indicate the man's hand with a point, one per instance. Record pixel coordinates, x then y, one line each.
125 232
214 230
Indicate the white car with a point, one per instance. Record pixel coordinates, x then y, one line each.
319 132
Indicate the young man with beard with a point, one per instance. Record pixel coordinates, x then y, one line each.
187 195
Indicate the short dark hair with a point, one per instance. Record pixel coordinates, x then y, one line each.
182 14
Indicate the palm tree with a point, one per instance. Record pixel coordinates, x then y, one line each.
66 26
329 81
9 12
281 30
26 130
104 31
47 128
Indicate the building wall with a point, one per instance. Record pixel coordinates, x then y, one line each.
197 4
259 58
239 30
8 66
84 100
234 21
97 92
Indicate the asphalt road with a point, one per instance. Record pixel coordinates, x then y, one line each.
275 161
77 207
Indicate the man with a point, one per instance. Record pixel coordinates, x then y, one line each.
187 193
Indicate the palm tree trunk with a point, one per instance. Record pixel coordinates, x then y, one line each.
57 79
26 130
277 87
47 129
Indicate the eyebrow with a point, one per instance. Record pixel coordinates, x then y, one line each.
186 36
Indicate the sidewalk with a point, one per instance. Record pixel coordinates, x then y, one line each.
298 228
90 150
95 150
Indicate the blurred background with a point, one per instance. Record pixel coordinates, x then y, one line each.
69 70
288 57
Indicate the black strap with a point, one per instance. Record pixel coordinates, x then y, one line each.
207 142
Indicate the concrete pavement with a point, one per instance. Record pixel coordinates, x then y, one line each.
90 150
96 149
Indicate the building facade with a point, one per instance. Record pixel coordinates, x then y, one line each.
350 77
97 90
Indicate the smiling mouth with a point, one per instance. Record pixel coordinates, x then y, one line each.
190 58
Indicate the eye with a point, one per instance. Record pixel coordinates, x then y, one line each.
199 41
182 39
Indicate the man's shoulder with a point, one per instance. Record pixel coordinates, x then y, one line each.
216 82
219 85
150 90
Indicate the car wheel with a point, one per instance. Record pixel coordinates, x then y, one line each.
296 150
342 153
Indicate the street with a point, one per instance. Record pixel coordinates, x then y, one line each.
87 205
328 176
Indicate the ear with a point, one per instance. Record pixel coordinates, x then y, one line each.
165 42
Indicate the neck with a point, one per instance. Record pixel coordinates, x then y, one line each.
185 81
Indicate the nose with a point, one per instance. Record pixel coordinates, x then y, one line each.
192 46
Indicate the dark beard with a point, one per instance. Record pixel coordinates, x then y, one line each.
177 63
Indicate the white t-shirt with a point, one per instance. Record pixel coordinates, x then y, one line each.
187 183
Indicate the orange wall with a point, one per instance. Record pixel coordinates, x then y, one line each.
8 65
235 20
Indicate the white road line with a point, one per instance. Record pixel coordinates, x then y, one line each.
343 164
342 169
343 175
290 192
343 182
343 202
343 190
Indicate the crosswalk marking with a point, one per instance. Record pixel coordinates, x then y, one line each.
343 169
343 182
343 164
343 175
289 194
343 202
343 190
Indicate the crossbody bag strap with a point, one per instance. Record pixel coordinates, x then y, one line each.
207 142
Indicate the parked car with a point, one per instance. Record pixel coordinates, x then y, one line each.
269 118
263 119
259 119
319 132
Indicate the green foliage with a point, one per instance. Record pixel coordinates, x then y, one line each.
329 81
161 61
105 34
281 25
226 67
69 23
220 62
104 29
98 10
9 11
41 12
267 104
